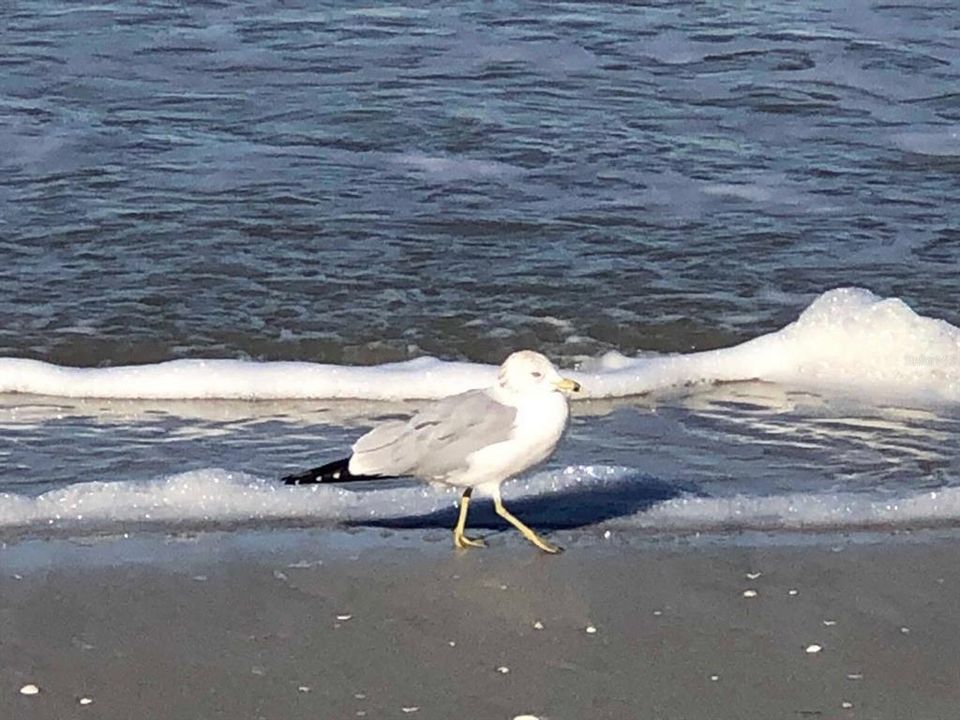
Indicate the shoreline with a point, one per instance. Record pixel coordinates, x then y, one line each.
432 533
296 623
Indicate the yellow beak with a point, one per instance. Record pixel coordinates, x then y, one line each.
566 384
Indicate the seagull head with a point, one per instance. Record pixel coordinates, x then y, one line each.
527 372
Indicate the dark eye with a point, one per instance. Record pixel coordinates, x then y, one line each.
537 374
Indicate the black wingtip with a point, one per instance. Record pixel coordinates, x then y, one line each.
331 472
337 471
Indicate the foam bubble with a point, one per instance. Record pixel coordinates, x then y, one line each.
458 168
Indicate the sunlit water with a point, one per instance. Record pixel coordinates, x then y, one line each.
349 185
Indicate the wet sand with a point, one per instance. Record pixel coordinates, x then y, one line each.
328 624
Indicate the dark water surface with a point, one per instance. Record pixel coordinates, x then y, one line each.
292 181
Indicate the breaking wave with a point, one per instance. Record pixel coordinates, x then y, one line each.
848 339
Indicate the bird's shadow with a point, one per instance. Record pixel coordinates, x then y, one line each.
569 508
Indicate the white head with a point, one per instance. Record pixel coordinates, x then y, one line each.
527 371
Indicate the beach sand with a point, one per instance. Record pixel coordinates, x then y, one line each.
331 624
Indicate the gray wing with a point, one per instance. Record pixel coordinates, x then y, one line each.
436 441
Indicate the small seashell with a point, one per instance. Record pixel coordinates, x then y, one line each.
591 630
503 669
812 649
905 630
410 709
829 623
749 593
538 625
846 704
344 617
304 688
792 592
753 575
85 700
714 678
854 676
526 717
29 689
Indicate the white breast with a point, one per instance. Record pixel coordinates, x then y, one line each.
538 426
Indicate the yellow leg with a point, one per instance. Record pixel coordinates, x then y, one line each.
527 532
459 539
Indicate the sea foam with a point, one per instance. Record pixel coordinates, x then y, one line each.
214 498
847 339
217 496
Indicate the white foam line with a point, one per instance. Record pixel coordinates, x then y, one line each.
798 511
237 379
214 496
847 339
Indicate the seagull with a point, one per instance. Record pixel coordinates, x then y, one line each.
474 440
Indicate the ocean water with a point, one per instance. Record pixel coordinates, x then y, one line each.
232 236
